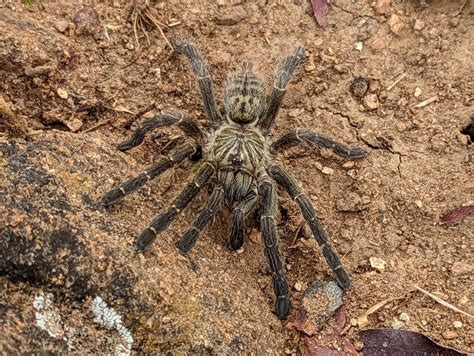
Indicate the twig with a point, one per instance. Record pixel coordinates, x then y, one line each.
95 127
460 9
158 25
135 116
426 102
391 86
442 302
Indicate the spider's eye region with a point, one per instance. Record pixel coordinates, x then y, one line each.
237 161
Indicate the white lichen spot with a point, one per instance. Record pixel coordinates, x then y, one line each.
107 317
48 317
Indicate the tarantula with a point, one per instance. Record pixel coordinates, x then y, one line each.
238 157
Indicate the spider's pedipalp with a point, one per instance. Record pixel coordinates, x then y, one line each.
268 194
203 76
190 237
185 123
287 181
280 83
161 222
302 136
165 162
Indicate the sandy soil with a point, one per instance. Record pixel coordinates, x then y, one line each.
73 86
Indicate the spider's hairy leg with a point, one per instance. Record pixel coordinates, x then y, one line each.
268 193
289 183
239 214
161 222
165 162
304 136
185 123
202 74
190 237
280 83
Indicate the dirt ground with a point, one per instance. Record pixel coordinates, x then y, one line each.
73 84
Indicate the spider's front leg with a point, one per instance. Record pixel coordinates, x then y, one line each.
164 163
305 136
289 183
280 83
162 221
185 123
268 194
202 74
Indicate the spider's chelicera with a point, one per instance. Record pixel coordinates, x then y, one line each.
237 159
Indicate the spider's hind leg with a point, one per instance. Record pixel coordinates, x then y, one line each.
287 181
239 214
161 222
268 193
190 237
164 163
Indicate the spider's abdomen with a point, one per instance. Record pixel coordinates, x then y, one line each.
239 155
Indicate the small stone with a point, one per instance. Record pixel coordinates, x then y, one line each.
417 92
61 26
378 43
377 263
382 7
371 102
397 324
62 93
87 20
328 171
449 334
359 87
374 86
419 25
457 324
404 317
298 287
463 300
348 165
350 203
460 268
419 203
358 345
358 46
295 112
396 24
232 17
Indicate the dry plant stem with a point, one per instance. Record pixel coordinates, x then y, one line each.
442 302
158 26
426 102
398 80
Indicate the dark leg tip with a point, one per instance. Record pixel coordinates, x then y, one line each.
236 242
282 307
343 279
124 146
144 240
111 198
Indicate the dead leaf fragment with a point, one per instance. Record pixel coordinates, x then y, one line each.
456 215
320 9
401 342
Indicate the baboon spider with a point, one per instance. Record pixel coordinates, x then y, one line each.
238 155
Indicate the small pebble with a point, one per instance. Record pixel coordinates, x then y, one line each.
419 25
371 102
417 92
449 335
359 87
419 203
396 24
328 171
463 300
377 263
404 317
457 324
298 287
62 93
358 46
